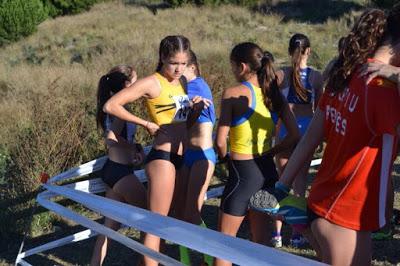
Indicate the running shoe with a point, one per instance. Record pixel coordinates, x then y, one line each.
298 241
279 201
265 201
276 241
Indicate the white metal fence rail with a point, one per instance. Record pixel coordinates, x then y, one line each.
236 250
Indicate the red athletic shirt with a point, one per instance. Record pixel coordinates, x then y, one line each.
351 186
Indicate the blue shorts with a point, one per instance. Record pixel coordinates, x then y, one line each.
192 156
302 122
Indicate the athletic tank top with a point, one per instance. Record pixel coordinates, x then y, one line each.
128 131
251 133
171 106
199 87
290 92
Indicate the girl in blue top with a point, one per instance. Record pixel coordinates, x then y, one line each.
199 158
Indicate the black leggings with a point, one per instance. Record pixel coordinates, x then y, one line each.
246 177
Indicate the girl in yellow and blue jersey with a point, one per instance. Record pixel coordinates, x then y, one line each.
168 106
246 117
302 87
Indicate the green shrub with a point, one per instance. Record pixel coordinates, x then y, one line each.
19 18
385 3
67 7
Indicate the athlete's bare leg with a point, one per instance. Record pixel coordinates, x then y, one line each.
161 176
100 248
200 176
342 246
229 225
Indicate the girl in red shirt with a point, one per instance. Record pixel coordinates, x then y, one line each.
361 125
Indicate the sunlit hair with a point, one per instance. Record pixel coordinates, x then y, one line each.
358 46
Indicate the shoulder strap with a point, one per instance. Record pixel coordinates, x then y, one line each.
253 94
243 118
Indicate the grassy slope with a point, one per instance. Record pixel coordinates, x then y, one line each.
67 55
72 52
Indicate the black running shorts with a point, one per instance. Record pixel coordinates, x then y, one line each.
246 177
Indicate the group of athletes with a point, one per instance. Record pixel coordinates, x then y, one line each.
269 126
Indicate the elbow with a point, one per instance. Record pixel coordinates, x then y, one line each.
107 107
220 146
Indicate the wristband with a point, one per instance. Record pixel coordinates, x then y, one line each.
281 191
282 187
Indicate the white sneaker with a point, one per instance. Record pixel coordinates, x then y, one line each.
276 241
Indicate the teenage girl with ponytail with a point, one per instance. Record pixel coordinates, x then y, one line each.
123 153
168 106
246 117
361 126
302 87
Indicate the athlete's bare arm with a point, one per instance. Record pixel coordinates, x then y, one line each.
375 69
293 136
146 87
317 83
224 123
305 148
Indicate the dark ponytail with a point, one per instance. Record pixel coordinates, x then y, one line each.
297 47
171 45
268 81
361 43
261 64
109 84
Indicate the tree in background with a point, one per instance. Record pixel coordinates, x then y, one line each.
19 18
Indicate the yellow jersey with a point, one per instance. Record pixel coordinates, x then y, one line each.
171 106
251 132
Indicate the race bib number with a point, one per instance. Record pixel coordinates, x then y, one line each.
182 105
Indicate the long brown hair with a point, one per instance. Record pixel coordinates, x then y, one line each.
262 65
298 45
109 84
358 46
